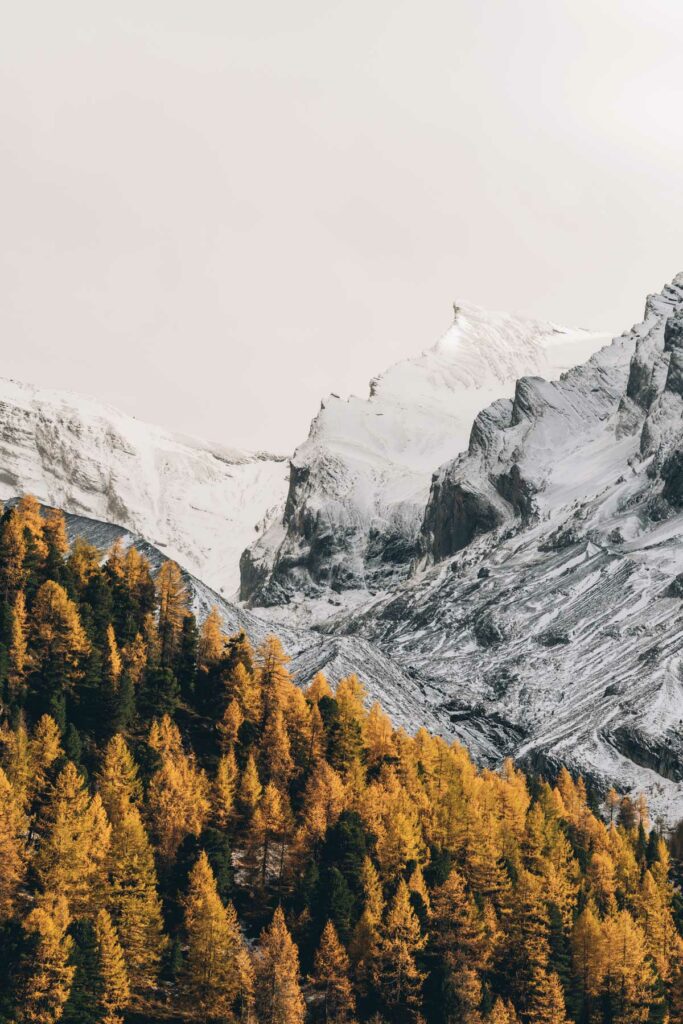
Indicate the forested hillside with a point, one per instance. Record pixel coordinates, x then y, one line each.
187 835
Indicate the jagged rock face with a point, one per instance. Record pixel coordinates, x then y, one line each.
555 634
515 449
201 503
359 484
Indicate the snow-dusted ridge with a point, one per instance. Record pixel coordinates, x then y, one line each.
360 482
200 502
548 614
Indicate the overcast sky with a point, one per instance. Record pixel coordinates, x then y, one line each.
214 212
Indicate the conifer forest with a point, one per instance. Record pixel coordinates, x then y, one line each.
187 833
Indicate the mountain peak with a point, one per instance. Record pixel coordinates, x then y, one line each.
360 482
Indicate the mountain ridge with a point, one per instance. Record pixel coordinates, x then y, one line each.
547 606
201 501
360 482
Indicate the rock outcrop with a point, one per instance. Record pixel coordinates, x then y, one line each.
548 613
359 484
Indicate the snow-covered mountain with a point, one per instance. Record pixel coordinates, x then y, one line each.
548 612
360 482
201 503
523 595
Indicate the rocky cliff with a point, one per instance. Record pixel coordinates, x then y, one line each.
359 483
548 611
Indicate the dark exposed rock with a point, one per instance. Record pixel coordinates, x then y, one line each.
672 475
657 509
392 547
613 690
662 754
673 332
642 388
674 377
564 537
252 575
455 515
673 343
517 491
502 680
554 638
487 630
675 588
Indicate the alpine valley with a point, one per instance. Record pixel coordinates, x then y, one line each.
492 539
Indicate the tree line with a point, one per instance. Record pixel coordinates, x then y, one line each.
188 835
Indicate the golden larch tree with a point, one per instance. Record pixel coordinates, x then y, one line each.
547 1005
365 939
588 956
173 607
276 757
212 641
113 663
115 989
271 674
19 659
229 725
629 977
224 789
318 688
178 797
456 930
74 838
214 977
45 750
250 789
395 972
58 641
133 901
13 852
278 992
54 533
12 556
118 782
332 978
50 974
502 1012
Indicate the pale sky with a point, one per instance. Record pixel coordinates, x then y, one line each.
213 212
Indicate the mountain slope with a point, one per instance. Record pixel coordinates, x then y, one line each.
200 502
310 652
359 483
549 613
